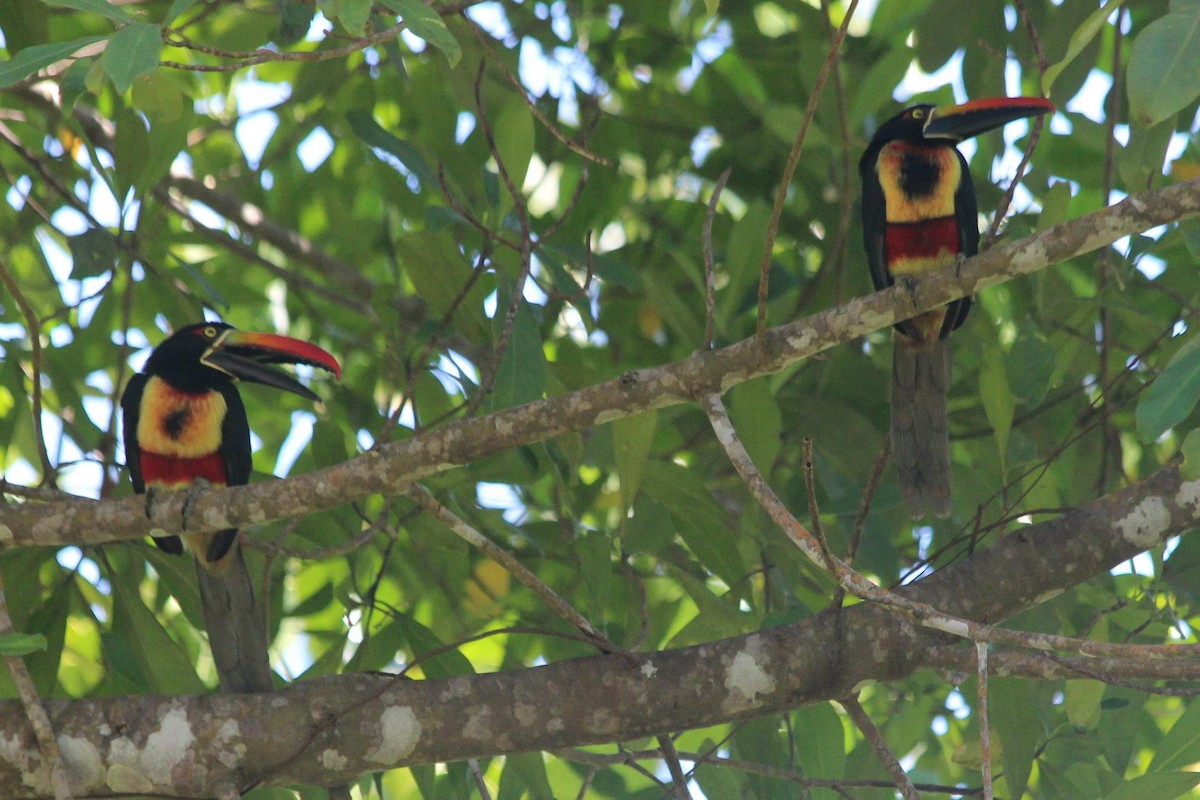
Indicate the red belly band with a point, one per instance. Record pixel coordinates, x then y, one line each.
169 471
926 239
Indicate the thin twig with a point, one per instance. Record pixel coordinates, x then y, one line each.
981 713
523 92
884 753
864 509
39 720
525 245
477 776
814 511
921 613
265 56
710 272
427 501
628 758
34 329
764 268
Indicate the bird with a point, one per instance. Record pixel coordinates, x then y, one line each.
184 426
919 213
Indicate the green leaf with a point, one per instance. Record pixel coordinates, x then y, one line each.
1158 786
104 8
996 396
446 664
1191 456
21 644
1079 41
1180 746
757 418
295 19
822 749
353 14
438 271
1172 396
513 130
704 527
328 444
158 97
1030 366
177 8
133 51
1163 64
1056 204
425 22
595 568
632 436
1014 716
131 149
524 778
31 59
521 376
163 665
1082 703
93 253
366 128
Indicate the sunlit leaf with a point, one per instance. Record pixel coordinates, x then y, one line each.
31 59
632 436
997 397
21 644
1172 396
132 52
425 22
1079 41
1163 65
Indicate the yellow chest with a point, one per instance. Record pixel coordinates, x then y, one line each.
179 424
918 182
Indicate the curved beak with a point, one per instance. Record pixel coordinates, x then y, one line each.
248 356
977 116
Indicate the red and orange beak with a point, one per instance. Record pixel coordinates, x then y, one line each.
978 116
248 356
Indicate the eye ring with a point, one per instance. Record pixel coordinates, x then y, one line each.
210 332
918 113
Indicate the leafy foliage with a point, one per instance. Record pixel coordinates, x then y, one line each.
507 203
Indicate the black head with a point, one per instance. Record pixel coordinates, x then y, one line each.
949 125
179 359
209 355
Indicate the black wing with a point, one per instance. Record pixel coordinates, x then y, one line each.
874 222
966 213
235 452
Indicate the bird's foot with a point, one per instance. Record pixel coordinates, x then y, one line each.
195 492
909 283
959 260
151 495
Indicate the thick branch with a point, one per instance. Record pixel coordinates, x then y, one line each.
391 468
331 730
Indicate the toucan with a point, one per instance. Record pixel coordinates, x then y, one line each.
185 426
919 213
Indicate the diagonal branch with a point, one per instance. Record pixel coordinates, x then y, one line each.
392 468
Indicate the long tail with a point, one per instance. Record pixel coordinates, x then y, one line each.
920 441
237 631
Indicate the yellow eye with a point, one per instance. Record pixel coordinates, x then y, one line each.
210 332
918 113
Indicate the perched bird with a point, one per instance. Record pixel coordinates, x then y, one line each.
919 214
185 426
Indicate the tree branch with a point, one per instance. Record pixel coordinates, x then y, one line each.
392 468
328 731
